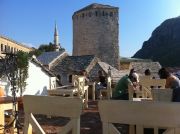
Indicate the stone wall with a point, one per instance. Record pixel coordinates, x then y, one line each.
95 32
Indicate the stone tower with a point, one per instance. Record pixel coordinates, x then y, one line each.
95 32
56 39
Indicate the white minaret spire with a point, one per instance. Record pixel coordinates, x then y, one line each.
56 38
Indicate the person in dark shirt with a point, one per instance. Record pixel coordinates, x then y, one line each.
101 83
102 79
126 82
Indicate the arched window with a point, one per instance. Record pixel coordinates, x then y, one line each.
70 78
59 80
5 48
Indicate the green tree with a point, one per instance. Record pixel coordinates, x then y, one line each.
22 65
35 52
46 47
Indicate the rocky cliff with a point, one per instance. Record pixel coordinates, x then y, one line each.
164 44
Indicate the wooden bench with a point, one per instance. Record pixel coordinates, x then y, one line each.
52 106
141 114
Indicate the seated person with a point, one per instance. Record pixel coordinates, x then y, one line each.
128 81
84 73
101 82
171 80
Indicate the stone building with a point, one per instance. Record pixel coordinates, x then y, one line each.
72 65
95 32
49 59
8 45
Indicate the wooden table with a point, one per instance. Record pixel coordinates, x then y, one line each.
5 104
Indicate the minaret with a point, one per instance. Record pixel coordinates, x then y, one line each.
56 39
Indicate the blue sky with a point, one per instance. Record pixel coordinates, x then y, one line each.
32 21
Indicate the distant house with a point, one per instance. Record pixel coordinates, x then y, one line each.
49 59
74 64
11 46
39 80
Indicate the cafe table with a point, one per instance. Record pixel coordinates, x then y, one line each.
5 104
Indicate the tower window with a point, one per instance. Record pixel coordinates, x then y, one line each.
96 13
111 14
103 13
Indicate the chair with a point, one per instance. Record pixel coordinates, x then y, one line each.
142 114
148 84
162 94
106 90
78 88
54 106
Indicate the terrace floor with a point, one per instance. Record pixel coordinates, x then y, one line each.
90 121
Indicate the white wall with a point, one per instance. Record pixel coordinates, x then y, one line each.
38 82
5 84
